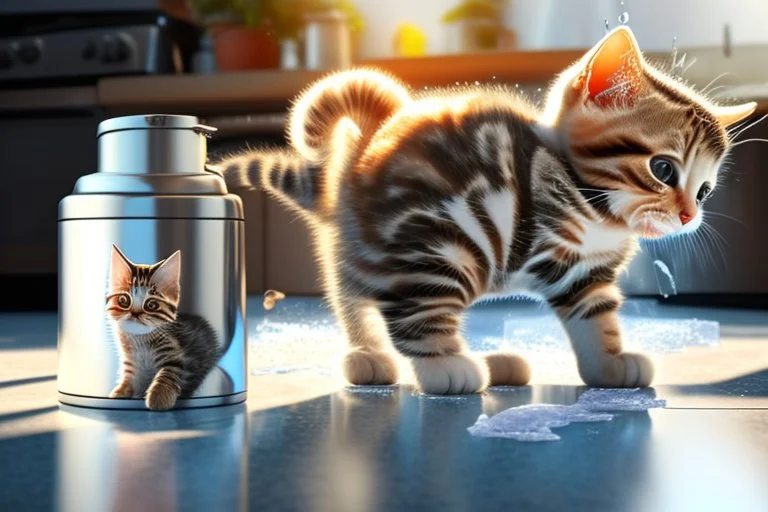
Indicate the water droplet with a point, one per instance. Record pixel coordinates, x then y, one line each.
664 269
606 26
457 83
624 18
477 83
517 86
425 87
493 77
538 90
674 44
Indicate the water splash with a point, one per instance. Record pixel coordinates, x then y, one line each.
678 65
665 270
534 423
624 18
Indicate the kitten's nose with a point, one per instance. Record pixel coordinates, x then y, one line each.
685 218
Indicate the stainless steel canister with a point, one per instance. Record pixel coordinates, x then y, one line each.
151 205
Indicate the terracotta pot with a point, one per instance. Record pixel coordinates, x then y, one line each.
238 47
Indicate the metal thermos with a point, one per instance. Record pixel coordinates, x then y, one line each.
152 196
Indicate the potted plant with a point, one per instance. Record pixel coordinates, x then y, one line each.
474 25
291 18
242 33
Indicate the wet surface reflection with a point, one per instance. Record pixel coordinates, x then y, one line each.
383 449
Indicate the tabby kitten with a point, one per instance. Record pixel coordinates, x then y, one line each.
423 205
165 354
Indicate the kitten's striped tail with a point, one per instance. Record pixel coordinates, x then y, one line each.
283 173
328 124
363 96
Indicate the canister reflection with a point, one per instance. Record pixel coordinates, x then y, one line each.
136 460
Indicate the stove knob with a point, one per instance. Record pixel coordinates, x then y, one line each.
29 53
6 59
89 51
115 50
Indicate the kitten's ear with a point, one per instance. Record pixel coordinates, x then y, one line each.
731 115
168 275
120 270
613 75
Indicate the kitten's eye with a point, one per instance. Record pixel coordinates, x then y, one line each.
124 300
704 192
664 170
151 305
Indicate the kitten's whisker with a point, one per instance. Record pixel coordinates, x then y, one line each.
718 214
742 130
717 240
716 88
738 126
748 140
712 82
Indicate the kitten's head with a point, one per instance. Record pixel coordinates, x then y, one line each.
647 147
143 297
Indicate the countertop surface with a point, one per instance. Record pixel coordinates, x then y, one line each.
305 441
728 75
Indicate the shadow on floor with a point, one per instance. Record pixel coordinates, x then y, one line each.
23 382
26 414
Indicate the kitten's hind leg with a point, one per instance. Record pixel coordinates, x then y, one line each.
427 332
368 362
508 369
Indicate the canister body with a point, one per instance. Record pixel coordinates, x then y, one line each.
212 287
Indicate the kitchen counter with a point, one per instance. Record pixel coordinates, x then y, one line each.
305 441
263 90
271 90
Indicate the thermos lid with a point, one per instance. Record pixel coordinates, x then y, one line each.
153 121
151 165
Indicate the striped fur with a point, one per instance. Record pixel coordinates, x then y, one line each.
438 201
164 354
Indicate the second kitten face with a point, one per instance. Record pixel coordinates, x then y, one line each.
143 297
650 147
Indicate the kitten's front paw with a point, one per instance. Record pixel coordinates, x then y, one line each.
122 390
624 370
451 375
161 398
370 368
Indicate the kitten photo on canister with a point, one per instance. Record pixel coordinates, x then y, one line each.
422 205
165 355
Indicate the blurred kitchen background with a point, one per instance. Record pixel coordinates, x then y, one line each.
66 65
